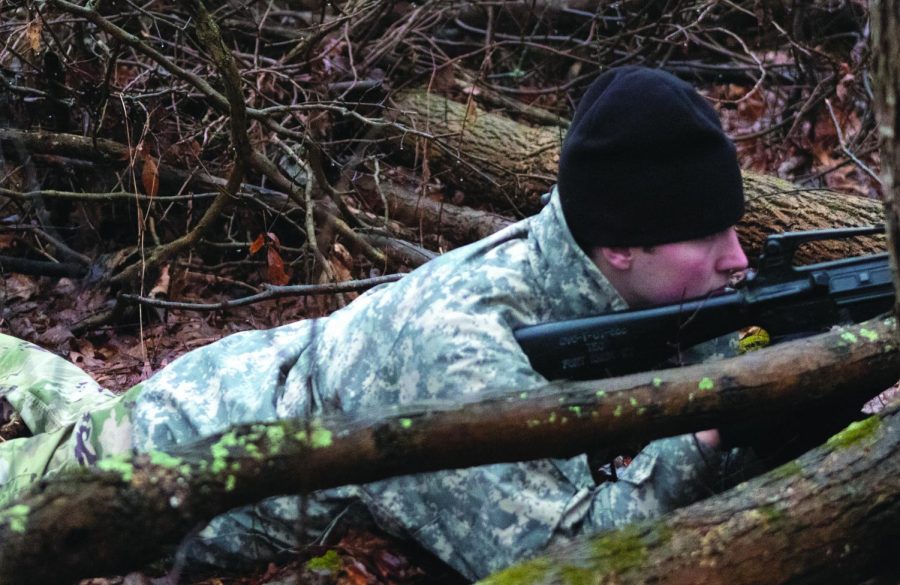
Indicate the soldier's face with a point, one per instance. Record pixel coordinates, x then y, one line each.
670 273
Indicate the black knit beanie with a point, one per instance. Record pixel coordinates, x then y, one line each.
646 162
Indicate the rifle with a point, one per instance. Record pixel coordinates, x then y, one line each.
786 300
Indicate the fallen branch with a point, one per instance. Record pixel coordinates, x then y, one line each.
271 292
831 516
43 267
209 35
121 514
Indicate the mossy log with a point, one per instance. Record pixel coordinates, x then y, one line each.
830 516
125 512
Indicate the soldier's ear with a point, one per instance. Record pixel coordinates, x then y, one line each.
618 258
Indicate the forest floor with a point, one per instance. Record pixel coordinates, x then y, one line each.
45 310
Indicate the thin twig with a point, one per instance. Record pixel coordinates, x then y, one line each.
271 292
840 136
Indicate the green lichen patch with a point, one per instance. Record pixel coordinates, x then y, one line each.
633 401
534 571
619 551
856 432
706 384
849 337
533 423
252 450
771 513
221 449
119 464
600 393
789 469
275 436
618 411
329 563
576 410
230 483
16 517
662 533
657 382
320 437
572 575
868 334
164 460
406 423
523 395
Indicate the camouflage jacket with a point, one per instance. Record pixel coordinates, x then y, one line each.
442 333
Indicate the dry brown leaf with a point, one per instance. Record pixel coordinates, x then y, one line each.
33 34
150 175
355 573
18 287
257 244
276 273
135 350
443 79
55 336
161 288
274 239
184 152
85 347
342 261
342 266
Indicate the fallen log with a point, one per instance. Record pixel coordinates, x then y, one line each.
122 514
773 205
830 516
509 165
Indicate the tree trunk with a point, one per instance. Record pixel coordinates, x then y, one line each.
886 47
121 515
775 205
831 516
507 164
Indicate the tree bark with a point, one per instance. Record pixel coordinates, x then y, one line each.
831 516
885 16
121 515
773 205
509 165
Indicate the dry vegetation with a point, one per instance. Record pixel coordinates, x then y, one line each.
146 157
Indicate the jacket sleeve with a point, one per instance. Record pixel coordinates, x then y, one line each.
482 519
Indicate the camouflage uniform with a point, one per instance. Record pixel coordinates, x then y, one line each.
442 333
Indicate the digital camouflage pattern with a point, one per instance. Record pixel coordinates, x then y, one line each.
442 333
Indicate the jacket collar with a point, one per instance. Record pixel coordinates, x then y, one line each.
573 283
